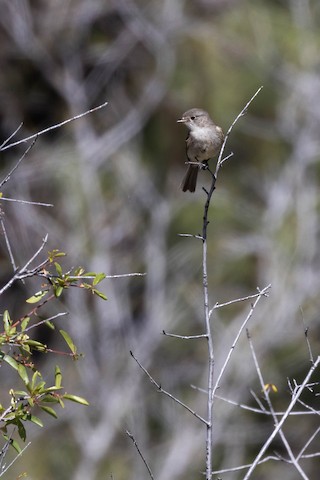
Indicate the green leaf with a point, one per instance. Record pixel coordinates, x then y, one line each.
79 272
49 399
36 420
50 325
34 378
58 269
58 376
37 296
23 373
58 290
21 393
100 294
75 398
99 278
6 321
21 430
55 254
25 323
69 341
36 345
11 361
49 410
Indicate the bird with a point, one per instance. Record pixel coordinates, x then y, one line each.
203 142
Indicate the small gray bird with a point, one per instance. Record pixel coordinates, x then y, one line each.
203 142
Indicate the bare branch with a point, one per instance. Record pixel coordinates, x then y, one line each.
23 272
243 111
8 176
27 202
185 337
244 323
237 300
271 410
54 127
11 136
140 453
294 399
161 390
13 263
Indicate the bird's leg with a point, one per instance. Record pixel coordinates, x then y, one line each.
205 165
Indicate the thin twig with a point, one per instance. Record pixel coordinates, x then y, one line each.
61 314
243 111
237 300
140 453
306 445
244 323
11 136
23 272
262 411
8 176
124 275
15 458
258 401
264 460
306 331
53 127
92 277
199 237
27 202
294 400
161 390
271 410
184 337
13 263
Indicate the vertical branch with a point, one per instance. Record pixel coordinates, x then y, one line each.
208 330
208 333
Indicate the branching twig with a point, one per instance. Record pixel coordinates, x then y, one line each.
271 410
50 319
211 388
294 400
53 127
8 176
243 111
15 458
244 323
23 272
237 300
11 136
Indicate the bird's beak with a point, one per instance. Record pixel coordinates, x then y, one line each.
182 120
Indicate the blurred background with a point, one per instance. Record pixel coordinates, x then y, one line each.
114 178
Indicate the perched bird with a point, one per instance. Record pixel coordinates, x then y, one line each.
203 142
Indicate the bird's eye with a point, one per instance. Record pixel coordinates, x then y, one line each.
192 118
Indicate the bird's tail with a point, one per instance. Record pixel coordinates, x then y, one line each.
189 181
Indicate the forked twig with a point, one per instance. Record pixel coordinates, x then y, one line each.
54 127
8 176
207 313
244 323
294 400
293 460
